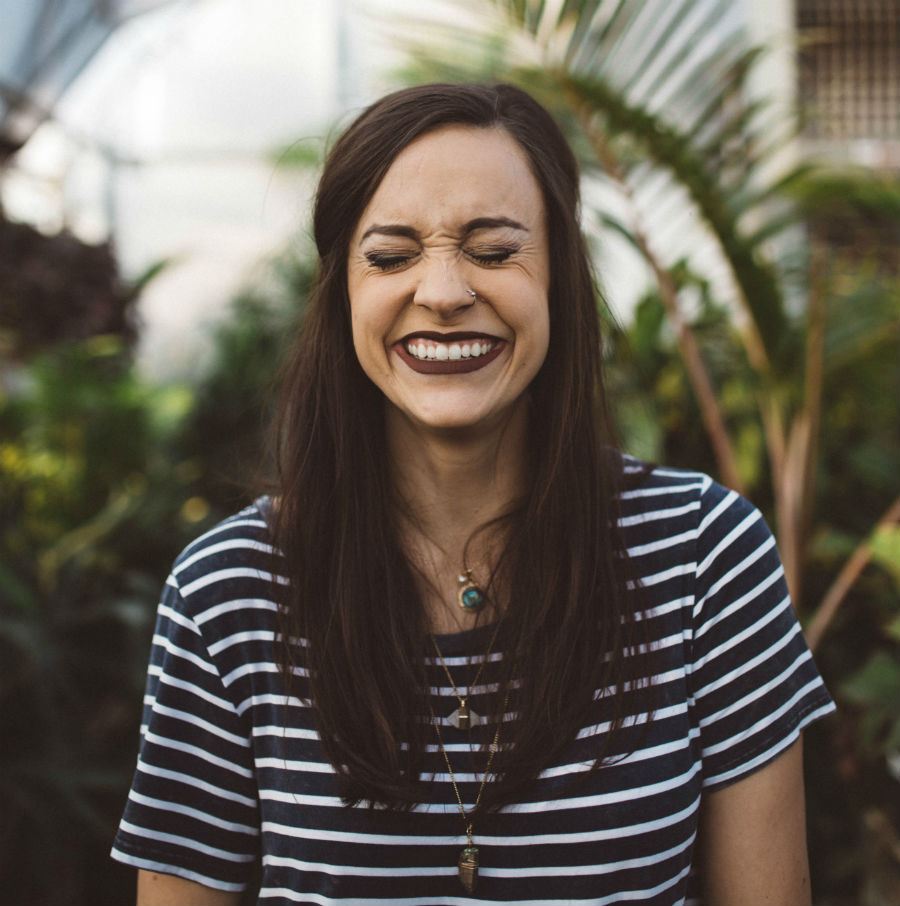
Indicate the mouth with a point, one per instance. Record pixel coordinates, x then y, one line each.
450 353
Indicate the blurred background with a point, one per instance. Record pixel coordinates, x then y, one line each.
157 160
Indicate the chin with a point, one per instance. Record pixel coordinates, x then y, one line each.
465 420
460 425
472 415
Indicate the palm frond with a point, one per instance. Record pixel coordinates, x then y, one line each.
670 149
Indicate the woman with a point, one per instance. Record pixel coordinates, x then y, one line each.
469 651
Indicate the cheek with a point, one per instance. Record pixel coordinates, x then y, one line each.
543 346
540 320
545 339
358 334
355 327
368 335
362 320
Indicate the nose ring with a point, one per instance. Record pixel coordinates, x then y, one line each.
472 293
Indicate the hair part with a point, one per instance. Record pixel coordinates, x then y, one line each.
352 595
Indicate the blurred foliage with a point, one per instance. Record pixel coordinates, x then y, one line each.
781 380
103 479
82 458
56 288
306 155
224 436
854 759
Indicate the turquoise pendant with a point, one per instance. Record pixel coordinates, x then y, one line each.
471 597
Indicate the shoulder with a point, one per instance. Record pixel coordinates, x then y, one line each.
653 493
677 498
234 538
706 543
681 523
647 488
229 565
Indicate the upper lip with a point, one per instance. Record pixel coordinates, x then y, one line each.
447 337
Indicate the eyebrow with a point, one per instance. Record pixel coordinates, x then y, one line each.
479 223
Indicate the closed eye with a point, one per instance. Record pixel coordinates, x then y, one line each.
493 255
387 261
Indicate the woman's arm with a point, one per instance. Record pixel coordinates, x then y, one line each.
753 838
154 889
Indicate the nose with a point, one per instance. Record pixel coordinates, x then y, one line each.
443 290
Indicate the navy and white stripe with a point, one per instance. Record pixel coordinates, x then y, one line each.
231 773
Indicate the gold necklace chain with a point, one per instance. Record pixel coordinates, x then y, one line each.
463 718
467 865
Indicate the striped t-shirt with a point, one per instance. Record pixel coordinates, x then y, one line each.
232 787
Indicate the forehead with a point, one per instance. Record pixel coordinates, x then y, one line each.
457 173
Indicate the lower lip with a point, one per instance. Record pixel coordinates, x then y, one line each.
456 366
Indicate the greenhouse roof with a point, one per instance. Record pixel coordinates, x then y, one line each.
44 45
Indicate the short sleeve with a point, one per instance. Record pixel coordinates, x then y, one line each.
753 681
192 810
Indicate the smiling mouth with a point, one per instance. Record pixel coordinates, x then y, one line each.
455 353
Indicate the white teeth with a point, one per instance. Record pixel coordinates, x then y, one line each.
443 352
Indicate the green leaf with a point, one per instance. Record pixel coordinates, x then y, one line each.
886 550
876 683
304 154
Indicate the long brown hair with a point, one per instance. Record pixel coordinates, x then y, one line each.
351 596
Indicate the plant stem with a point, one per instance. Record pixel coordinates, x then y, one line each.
845 579
710 411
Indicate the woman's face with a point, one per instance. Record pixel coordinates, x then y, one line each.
458 210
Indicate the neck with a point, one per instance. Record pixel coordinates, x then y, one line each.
451 484
456 481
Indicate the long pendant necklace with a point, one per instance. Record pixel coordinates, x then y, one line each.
467 864
471 599
464 717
